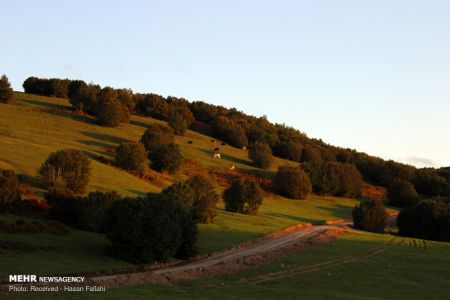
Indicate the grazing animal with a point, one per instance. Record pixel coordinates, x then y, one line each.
232 167
190 142
244 148
216 149
216 155
213 141
223 144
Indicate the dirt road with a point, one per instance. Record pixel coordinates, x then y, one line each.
248 255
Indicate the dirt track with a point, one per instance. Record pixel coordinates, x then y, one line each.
245 256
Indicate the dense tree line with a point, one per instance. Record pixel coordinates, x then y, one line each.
239 129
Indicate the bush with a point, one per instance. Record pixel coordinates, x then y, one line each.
9 189
195 196
429 219
67 169
243 196
84 98
261 155
370 215
166 158
6 92
333 178
178 123
292 182
402 194
150 229
205 199
156 136
109 110
131 156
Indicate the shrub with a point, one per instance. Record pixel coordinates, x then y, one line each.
111 113
85 213
333 178
9 189
66 169
402 194
150 229
195 196
261 155
205 199
6 92
178 123
84 98
370 215
166 158
156 136
243 196
292 182
131 156
429 219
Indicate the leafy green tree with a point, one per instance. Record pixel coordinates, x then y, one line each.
109 110
6 92
402 194
292 182
370 215
149 230
429 219
166 158
156 136
261 155
66 169
243 196
205 199
9 189
178 123
131 156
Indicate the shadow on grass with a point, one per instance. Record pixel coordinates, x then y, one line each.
295 218
104 137
30 180
75 117
95 143
138 123
137 193
46 104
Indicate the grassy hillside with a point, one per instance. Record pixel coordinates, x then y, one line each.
357 266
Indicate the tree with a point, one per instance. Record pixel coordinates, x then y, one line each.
261 155
66 169
9 189
205 199
243 196
196 196
292 182
166 158
334 178
150 229
6 92
311 154
131 156
109 110
429 219
402 194
370 215
156 136
84 98
178 123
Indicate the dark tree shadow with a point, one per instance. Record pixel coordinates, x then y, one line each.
227 157
30 180
138 123
46 104
295 218
95 143
137 193
104 137
80 118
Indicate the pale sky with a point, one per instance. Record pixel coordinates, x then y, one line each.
370 75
